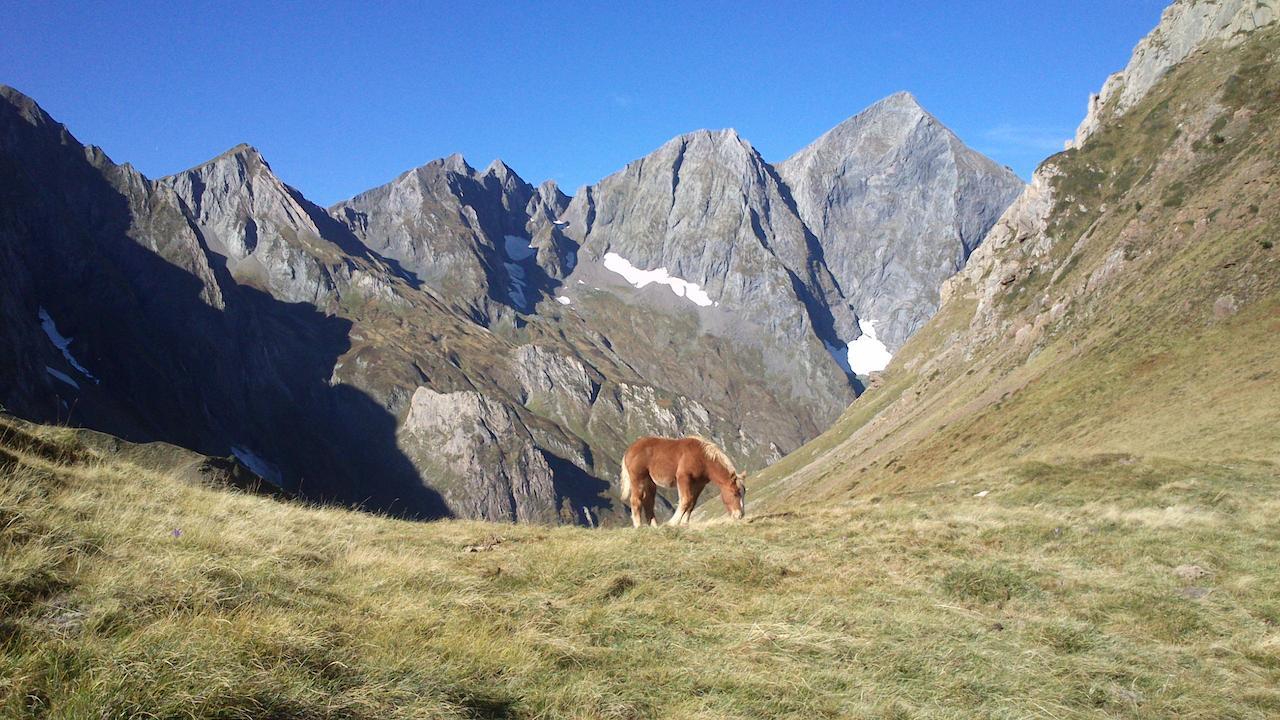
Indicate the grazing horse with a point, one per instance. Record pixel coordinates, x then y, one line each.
688 464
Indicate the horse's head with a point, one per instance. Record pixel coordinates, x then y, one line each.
734 495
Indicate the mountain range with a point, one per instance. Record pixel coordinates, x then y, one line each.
460 342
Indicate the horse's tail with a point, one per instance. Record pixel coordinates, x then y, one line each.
626 483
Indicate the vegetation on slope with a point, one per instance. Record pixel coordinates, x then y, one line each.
1108 587
1145 320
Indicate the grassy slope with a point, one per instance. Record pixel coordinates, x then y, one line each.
1176 354
1054 596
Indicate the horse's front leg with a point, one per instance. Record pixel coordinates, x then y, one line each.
688 491
695 489
678 513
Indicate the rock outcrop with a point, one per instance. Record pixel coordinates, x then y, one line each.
1185 26
270 236
500 474
472 236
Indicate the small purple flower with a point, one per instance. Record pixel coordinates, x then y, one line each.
177 532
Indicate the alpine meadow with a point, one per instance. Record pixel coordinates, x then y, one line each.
966 446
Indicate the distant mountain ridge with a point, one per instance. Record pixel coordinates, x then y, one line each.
460 341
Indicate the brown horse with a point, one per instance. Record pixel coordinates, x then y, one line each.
688 464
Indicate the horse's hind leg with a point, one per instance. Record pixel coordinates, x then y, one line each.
636 507
640 487
643 493
650 495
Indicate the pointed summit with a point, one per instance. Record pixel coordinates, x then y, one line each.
245 151
16 106
243 208
886 188
509 183
455 163
894 116
552 195
723 136
25 105
500 169
244 156
900 99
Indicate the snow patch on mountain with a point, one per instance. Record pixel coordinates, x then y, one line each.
640 278
63 344
257 465
62 376
867 354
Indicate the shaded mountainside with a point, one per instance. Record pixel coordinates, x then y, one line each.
456 342
137 327
1128 302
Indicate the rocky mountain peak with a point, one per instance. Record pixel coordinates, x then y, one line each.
242 160
879 128
246 154
725 139
901 99
501 170
454 162
15 106
271 236
25 107
550 195
513 190
898 202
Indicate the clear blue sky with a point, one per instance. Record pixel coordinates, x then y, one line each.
344 97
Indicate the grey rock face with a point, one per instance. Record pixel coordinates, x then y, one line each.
269 234
558 385
430 202
710 211
708 208
898 204
465 435
1185 26
482 240
1023 225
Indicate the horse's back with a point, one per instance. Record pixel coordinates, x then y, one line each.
663 458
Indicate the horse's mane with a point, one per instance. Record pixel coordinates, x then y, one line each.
715 454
